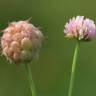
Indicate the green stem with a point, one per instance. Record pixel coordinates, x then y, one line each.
29 73
73 69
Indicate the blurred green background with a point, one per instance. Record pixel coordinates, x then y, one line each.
51 72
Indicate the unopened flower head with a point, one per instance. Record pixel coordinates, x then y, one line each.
80 28
21 41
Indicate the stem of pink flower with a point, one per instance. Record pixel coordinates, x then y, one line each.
29 73
73 70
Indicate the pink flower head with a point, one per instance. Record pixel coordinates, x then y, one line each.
80 28
21 41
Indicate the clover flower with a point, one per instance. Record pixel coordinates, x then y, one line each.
21 41
80 28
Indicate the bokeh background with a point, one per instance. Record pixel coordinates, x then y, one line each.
51 72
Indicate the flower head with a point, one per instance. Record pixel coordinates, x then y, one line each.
80 28
21 41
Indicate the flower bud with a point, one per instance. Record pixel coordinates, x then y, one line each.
26 55
26 44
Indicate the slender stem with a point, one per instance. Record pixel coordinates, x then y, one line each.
32 87
73 69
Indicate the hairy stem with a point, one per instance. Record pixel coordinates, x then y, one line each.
73 70
31 83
